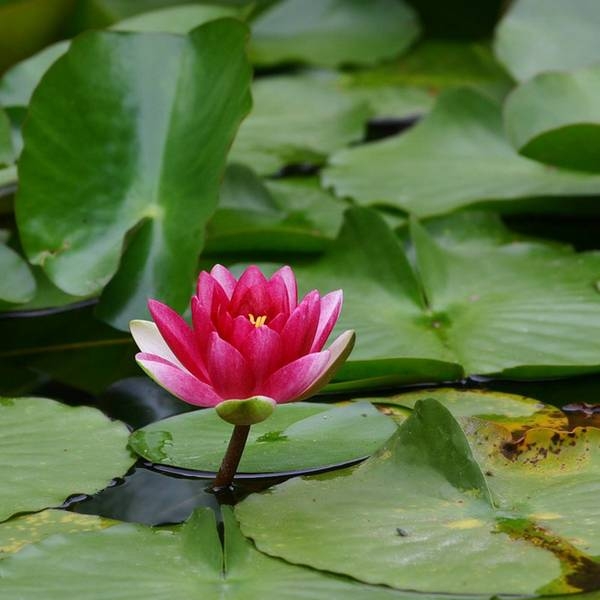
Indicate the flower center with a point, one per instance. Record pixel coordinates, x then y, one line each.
257 321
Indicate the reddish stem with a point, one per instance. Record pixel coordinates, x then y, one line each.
232 457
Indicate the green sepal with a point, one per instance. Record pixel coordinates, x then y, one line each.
246 412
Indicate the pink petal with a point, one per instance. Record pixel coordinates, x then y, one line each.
179 337
177 381
262 351
331 306
289 382
210 294
299 332
339 352
286 275
224 277
229 371
278 322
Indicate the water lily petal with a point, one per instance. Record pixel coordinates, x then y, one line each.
229 372
262 350
331 306
178 381
339 352
224 277
179 337
149 341
286 275
290 381
299 331
210 294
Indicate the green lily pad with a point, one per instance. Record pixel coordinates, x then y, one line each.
51 451
143 176
477 304
288 215
435 65
17 284
182 562
554 118
333 32
493 521
516 413
548 35
406 171
299 436
296 120
30 529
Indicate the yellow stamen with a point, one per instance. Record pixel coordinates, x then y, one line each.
257 321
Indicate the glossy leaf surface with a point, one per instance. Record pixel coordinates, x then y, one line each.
333 32
554 118
51 451
144 179
182 562
298 436
436 168
548 35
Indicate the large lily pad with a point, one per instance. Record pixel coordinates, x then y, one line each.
299 436
436 167
333 32
50 451
524 518
144 178
182 562
296 120
554 118
478 305
548 35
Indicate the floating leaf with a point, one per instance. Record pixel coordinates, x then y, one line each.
51 451
427 498
296 120
333 32
30 529
288 215
436 167
479 305
144 178
548 35
16 283
181 562
299 436
515 413
554 118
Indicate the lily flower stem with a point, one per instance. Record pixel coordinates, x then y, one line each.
232 457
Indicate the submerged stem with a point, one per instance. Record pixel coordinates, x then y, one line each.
232 457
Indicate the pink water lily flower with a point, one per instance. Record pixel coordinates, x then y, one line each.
250 337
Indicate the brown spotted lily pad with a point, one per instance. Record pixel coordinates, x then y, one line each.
442 497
